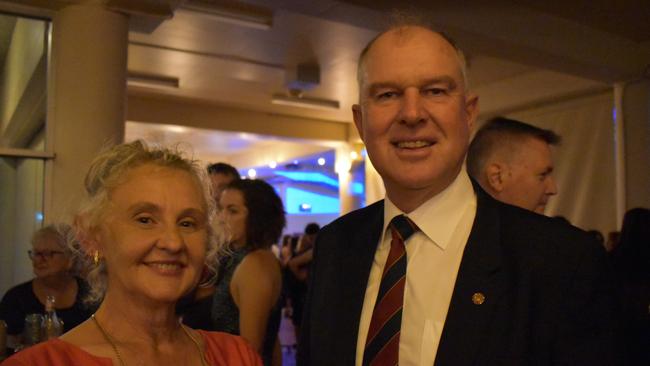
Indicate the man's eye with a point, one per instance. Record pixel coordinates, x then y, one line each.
435 91
386 95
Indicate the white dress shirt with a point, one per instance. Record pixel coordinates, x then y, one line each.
433 255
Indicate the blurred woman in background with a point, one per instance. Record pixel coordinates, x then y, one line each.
249 281
54 270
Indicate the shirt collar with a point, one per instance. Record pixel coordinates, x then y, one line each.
438 217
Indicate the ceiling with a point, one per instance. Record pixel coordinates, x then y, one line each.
521 53
241 149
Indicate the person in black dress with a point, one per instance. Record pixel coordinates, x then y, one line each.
249 281
53 266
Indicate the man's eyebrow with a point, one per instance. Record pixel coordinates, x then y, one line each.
382 85
443 79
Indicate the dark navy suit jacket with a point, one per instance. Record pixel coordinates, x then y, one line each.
547 286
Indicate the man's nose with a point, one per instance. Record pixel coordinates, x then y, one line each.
551 186
412 111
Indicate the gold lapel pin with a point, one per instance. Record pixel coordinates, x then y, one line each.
478 298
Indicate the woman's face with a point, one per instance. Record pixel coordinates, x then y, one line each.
49 258
234 214
154 234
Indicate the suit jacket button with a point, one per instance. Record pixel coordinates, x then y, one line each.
478 298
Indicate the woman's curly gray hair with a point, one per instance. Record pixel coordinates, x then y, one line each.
109 170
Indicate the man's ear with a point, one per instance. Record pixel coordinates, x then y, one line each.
471 109
357 115
494 176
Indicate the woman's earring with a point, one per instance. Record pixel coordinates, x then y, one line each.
96 258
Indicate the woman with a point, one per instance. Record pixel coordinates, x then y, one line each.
146 228
53 265
247 296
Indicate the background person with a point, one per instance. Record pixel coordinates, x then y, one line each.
196 307
54 270
221 174
249 282
297 274
631 259
512 161
146 226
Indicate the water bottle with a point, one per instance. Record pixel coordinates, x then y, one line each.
51 326
32 330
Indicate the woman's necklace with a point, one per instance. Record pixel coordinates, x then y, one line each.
110 341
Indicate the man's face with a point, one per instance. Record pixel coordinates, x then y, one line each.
527 180
414 114
219 183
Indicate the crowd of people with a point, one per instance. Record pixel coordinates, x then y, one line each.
169 263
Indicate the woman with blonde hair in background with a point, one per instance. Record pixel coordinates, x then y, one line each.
146 227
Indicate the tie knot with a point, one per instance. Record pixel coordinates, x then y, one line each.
403 226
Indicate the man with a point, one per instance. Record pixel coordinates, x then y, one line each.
221 174
196 307
485 283
512 162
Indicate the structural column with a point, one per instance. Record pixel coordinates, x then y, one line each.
349 167
87 98
636 110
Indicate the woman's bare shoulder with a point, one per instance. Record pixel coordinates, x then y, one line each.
228 349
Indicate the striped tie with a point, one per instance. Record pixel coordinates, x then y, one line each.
382 343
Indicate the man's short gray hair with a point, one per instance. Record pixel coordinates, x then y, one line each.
499 133
400 23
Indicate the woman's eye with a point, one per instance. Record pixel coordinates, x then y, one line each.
187 223
144 220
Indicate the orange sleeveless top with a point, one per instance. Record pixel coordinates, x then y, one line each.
220 349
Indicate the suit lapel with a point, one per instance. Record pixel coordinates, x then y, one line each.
360 252
478 288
